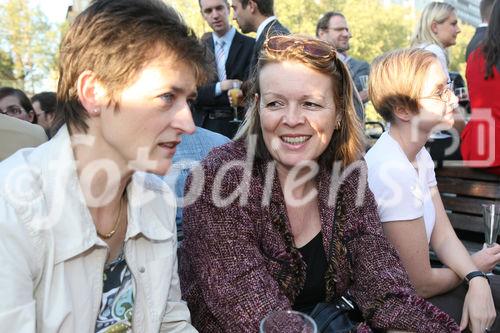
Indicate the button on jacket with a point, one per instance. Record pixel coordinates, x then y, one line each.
51 260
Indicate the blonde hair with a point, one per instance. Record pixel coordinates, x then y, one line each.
347 143
434 12
397 78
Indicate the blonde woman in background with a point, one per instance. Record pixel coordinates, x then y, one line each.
437 30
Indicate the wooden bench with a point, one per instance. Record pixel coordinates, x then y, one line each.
463 190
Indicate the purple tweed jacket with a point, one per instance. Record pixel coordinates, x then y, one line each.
238 262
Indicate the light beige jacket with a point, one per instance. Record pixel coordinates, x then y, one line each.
51 260
16 134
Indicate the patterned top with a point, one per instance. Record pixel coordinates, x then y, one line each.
238 261
117 303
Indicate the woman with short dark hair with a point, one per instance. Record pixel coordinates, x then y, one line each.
88 236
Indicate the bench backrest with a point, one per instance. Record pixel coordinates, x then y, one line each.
463 190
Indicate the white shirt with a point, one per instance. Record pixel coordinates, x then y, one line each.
343 57
263 25
401 191
440 54
51 259
228 39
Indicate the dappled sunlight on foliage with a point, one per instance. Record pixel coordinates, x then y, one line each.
457 52
30 41
28 52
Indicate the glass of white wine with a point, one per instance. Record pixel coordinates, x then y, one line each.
235 95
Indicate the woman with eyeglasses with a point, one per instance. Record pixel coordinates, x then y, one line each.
15 103
410 89
481 137
284 219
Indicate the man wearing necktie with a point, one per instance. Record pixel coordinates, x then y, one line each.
232 54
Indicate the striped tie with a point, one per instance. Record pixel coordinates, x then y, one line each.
221 60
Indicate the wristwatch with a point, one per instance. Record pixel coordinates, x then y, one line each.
474 274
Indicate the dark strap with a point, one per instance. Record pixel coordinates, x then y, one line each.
474 274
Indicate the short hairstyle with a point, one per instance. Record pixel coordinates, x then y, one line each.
324 21
396 80
47 100
115 39
485 8
347 143
434 12
225 1
266 7
21 96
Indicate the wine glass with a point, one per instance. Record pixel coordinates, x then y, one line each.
364 82
491 220
462 94
287 321
235 94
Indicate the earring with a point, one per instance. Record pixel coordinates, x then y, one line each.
96 110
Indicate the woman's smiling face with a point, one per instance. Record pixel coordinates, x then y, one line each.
297 112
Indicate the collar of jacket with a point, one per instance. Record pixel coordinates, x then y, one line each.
53 199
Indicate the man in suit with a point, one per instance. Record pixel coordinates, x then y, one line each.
332 28
485 8
232 54
257 16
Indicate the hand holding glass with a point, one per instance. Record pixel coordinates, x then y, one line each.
234 99
287 321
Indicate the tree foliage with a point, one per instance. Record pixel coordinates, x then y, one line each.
29 41
457 52
376 28
6 70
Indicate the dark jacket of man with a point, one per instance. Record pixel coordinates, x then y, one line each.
273 28
237 65
358 68
479 36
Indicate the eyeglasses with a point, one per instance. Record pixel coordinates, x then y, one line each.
12 111
311 47
444 95
338 29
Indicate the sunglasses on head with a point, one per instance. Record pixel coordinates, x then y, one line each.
311 47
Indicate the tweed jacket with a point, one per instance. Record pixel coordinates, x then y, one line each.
238 261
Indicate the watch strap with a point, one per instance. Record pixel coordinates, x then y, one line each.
474 274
